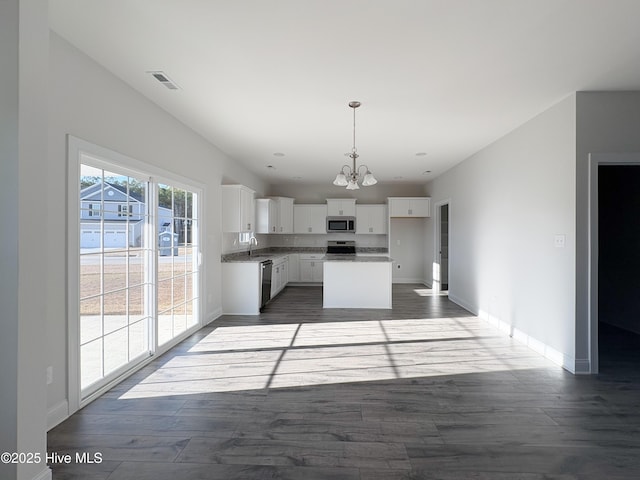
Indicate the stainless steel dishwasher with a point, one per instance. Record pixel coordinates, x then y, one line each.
265 281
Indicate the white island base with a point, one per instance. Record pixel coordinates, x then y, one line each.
357 284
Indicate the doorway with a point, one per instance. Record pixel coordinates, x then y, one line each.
614 259
441 259
618 266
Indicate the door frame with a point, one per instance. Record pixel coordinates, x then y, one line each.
437 214
595 160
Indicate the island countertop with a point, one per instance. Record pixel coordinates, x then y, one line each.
336 257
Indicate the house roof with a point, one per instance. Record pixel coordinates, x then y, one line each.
93 193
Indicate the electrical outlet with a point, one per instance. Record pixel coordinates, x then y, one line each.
559 241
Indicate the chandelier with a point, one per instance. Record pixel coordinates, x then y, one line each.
349 176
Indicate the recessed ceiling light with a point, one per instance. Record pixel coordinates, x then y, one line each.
271 167
426 172
421 154
278 154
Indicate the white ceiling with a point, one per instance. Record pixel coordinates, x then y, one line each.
445 77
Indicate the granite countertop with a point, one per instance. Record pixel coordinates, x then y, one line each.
275 252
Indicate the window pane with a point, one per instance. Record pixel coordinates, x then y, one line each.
191 315
178 290
165 327
90 278
136 267
188 285
136 304
115 271
189 208
116 350
115 311
165 295
90 319
179 320
91 362
138 338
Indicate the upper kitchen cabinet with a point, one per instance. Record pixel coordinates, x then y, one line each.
284 209
310 219
266 216
238 210
409 206
341 207
371 219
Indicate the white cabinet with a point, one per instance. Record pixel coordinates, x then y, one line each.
294 267
310 219
274 215
409 206
341 207
266 215
238 211
371 219
284 216
279 275
311 267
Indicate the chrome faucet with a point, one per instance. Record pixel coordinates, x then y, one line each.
251 243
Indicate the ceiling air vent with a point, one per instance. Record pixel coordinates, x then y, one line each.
164 80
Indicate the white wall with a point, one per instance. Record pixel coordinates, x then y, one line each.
23 169
606 122
508 202
90 103
407 248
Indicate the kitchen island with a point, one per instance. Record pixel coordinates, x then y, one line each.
354 281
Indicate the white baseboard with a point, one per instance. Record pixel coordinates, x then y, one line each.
216 314
44 475
550 353
462 303
57 414
409 280
583 367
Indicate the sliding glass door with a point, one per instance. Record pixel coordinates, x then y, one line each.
138 266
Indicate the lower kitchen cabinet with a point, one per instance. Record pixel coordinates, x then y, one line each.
294 267
279 275
311 268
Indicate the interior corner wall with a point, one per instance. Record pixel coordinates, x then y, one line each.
88 102
508 203
606 122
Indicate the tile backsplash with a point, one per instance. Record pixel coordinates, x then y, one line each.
233 242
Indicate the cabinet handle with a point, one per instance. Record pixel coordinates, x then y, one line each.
281 229
309 229
410 212
370 229
248 226
274 229
340 212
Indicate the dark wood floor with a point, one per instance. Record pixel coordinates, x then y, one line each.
423 391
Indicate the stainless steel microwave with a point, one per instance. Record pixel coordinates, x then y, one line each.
341 224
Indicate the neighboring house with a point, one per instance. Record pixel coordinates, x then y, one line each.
108 208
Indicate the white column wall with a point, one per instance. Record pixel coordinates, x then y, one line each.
23 169
507 204
607 122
